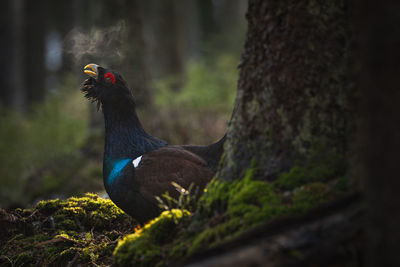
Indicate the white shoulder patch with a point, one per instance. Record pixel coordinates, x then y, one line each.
136 161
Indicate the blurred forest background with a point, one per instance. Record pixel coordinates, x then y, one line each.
179 57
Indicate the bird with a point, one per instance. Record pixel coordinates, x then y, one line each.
137 167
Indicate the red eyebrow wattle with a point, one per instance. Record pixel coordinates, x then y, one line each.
110 76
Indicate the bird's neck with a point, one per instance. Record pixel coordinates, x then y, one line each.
125 138
124 134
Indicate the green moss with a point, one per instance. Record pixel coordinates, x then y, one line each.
249 202
293 253
323 164
49 206
217 197
143 248
295 177
310 196
212 236
179 250
342 184
253 201
85 212
24 259
65 223
218 193
85 229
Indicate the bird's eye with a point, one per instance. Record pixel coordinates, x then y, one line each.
109 77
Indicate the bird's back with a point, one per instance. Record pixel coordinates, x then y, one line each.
211 153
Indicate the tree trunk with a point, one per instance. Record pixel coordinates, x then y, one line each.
35 72
293 91
163 34
380 57
189 30
135 52
13 77
207 18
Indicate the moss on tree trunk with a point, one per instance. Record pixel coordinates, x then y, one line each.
294 91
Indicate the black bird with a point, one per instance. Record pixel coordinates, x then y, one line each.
137 166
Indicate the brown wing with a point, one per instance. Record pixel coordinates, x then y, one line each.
160 167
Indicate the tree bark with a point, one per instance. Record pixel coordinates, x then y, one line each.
35 29
380 57
135 51
294 88
163 36
13 77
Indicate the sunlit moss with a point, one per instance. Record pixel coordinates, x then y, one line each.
89 211
143 248
84 228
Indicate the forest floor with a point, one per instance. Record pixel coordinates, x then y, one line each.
247 221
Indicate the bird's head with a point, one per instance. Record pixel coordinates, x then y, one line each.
104 85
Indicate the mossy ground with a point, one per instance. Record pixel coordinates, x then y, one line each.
81 230
145 246
93 231
228 209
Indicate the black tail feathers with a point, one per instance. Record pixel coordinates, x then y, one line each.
211 153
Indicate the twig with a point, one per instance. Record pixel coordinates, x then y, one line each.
33 213
56 240
7 258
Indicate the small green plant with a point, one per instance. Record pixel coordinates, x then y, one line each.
186 201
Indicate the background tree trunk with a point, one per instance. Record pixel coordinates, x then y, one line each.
13 93
163 39
136 53
35 35
293 92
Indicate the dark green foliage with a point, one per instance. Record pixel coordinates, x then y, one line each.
199 110
209 85
49 150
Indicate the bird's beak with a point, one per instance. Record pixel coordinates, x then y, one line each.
91 70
